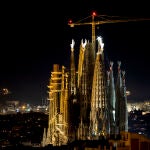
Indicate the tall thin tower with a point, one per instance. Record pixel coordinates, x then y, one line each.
121 102
111 98
99 120
57 132
85 79
72 70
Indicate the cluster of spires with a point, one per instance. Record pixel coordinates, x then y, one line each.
85 103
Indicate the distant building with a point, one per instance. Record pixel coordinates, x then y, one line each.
145 106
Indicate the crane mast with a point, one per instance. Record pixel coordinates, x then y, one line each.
93 28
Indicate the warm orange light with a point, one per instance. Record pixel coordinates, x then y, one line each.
23 107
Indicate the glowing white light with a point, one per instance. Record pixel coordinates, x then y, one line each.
83 44
128 93
72 45
101 44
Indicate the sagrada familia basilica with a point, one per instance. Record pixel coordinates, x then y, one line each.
87 101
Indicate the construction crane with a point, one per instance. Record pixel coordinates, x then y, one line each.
103 19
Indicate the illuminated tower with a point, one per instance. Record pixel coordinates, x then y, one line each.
121 102
72 70
111 98
99 120
85 79
63 122
82 88
57 132
124 114
81 61
73 102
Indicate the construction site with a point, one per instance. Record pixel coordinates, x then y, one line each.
85 102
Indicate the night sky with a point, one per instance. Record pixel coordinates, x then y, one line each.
35 35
